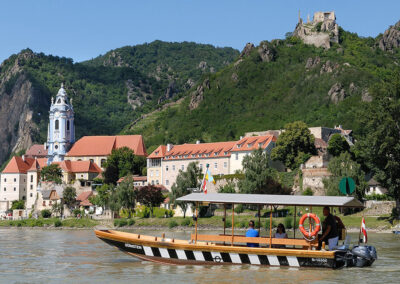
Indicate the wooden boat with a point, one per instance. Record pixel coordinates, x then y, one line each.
232 249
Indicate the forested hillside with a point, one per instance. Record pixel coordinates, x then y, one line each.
274 83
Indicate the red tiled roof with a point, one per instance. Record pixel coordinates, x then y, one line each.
253 143
135 178
320 143
202 150
18 165
80 167
36 150
84 195
38 164
103 145
159 152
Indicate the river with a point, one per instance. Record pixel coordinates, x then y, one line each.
77 256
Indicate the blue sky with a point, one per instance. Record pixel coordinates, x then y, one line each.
83 29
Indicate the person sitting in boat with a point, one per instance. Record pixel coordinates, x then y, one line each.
252 233
329 229
280 234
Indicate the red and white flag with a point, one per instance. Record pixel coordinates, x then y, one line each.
364 231
204 184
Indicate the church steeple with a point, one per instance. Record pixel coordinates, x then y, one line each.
61 130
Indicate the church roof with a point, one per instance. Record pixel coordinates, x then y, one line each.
36 150
80 167
38 164
103 145
18 165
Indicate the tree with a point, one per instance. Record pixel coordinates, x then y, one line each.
185 180
102 198
57 208
51 173
150 195
122 162
229 187
337 145
343 166
259 178
18 204
124 196
294 146
69 197
379 145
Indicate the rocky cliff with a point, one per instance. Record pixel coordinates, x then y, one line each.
18 98
391 38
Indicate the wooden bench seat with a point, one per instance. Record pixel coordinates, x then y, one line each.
257 240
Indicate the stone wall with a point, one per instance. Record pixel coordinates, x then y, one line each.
377 208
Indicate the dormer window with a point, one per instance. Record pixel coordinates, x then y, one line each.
225 153
193 155
249 145
260 144
239 145
216 153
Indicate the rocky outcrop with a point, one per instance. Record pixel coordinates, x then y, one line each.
366 96
136 97
329 67
247 50
169 92
337 93
311 63
321 31
198 95
266 51
391 38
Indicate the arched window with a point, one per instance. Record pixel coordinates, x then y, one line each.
67 124
57 124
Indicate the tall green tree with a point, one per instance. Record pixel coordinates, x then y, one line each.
337 145
102 198
185 180
122 162
124 196
51 173
379 145
294 146
259 177
150 195
69 196
344 166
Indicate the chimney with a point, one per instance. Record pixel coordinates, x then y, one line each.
23 158
169 147
241 137
198 142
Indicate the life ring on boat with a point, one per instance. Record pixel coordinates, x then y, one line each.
308 235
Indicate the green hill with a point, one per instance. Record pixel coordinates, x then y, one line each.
272 84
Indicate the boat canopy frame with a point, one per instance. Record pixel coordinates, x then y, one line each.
272 199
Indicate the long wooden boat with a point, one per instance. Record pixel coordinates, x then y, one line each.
232 249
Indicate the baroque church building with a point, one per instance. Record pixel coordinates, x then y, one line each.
80 161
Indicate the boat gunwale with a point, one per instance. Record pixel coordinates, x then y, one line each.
118 236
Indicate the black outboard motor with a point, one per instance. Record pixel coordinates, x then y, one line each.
364 255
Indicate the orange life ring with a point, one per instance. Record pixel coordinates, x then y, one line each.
306 233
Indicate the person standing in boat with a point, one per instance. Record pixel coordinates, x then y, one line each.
252 233
329 229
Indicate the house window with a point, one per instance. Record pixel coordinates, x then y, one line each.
50 202
225 165
201 166
5 180
102 162
151 173
15 189
15 179
31 178
215 165
166 182
31 194
173 167
156 173
81 176
237 156
5 189
91 160
183 167
166 168
225 153
57 124
216 153
67 124
152 182
157 182
44 203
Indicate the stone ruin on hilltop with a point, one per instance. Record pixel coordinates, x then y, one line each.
321 31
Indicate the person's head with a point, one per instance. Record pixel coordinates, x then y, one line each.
281 228
326 211
251 224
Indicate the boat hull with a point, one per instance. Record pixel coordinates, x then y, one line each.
192 254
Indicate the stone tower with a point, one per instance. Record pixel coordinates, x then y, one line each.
61 130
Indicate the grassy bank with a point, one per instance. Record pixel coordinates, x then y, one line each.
51 222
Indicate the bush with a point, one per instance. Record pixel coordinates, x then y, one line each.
38 223
46 213
288 222
142 212
162 213
267 224
172 224
228 223
76 212
243 224
187 222
378 197
131 222
120 222
57 223
308 191
239 209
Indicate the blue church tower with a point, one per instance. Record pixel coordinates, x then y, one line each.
61 130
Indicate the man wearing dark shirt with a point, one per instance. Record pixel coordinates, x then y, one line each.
329 229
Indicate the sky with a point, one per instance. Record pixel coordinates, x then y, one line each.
84 29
